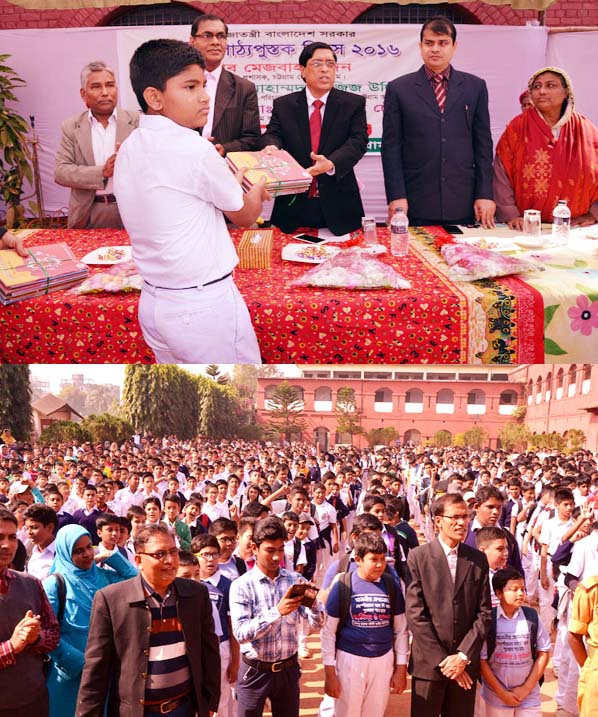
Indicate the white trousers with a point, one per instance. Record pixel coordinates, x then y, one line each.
545 600
210 324
227 707
365 684
492 711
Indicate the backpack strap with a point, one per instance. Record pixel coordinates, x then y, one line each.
61 585
296 551
491 636
343 563
240 564
344 603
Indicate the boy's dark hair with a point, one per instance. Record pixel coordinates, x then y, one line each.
126 523
206 17
439 25
486 492
245 522
42 514
107 519
222 525
562 494
371 500
254 509
369 543
203 541
485 536
90 487
157 61
271 528
187 559
290 515
152 500
173 498
135 510
365 521
502 577
8 516
308 52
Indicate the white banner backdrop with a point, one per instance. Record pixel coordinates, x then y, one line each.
369 57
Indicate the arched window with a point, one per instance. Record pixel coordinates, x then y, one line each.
323 399
163 13
539 389
412 436
383 400
572 380
530 392
548 387
415 13
321 437
414 401
476 402
300 396
445 401
507 403
586 378
560 383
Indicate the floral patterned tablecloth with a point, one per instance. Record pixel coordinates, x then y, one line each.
436 321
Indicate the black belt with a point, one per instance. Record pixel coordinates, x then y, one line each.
105 198
168 706
270 666
184 288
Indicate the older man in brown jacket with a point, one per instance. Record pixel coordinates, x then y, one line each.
152 648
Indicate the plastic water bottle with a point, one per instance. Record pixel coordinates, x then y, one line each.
399 233
561 222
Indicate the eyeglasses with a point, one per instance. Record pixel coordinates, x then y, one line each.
456 518
225 539
162 554
316 64
220 36
208 556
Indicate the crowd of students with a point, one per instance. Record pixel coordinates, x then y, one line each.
346 521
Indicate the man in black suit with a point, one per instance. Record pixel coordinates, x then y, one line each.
234 121
436 141
333 200
449 610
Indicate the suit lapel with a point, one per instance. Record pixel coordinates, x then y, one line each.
454 95
83 135
123 125
441 563
424 91
463 568
224 93
329 121
302 115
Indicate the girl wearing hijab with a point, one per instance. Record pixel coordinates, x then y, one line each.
76 562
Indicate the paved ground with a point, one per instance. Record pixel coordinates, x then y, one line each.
312 688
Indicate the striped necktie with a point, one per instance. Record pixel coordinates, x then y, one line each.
439 91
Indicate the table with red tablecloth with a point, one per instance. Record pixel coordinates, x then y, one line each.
435 321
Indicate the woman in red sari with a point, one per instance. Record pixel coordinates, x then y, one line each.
547 153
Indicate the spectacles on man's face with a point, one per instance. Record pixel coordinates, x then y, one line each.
208 36
461 517
163 554
316 64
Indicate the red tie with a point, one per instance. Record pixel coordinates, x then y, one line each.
315 130
439 91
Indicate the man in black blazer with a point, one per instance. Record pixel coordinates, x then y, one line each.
234 120
436 141
449 610
334 201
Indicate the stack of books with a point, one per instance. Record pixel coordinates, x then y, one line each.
284 175
46 268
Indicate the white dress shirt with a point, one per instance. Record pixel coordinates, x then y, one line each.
103 142
451 557
41 561
212 79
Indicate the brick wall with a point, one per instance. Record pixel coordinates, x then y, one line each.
563 12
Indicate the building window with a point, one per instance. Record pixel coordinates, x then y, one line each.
383 400
439 376
572 381
530 392
476 403
548 388
445 401
560 381
414 401
539 389
323 399
415 14
409 376
378 375
412 436
507 403
586 378
164 13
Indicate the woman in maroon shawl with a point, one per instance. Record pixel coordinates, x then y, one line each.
547 153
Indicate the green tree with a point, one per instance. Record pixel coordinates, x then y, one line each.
459 440
64 431
476 437
285 415
106 427
220 411
101 398
162 400
15 400
213 371
348 415
515 435
576 439
442 438
76 398
381 436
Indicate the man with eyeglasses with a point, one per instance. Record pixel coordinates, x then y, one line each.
234 120
325 130
152 648
449 610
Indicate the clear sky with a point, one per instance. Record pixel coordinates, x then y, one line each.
107 373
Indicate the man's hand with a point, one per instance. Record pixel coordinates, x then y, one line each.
288 605
452 666
332 686
108 169
219 147
585 220
321 165
11 241
231 673
516 224
26 632
398 681
397 204
484 210
464 681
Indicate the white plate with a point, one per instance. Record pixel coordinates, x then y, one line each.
545 242
107 255
309 254
490 243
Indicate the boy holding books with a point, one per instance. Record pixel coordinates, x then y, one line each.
173 189
515 654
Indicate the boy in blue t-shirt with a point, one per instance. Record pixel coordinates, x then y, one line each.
365 651
511 674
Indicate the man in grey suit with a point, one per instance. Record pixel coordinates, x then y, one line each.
436 141
234 121
449 610
88 147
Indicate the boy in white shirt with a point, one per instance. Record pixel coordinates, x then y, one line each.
172 188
